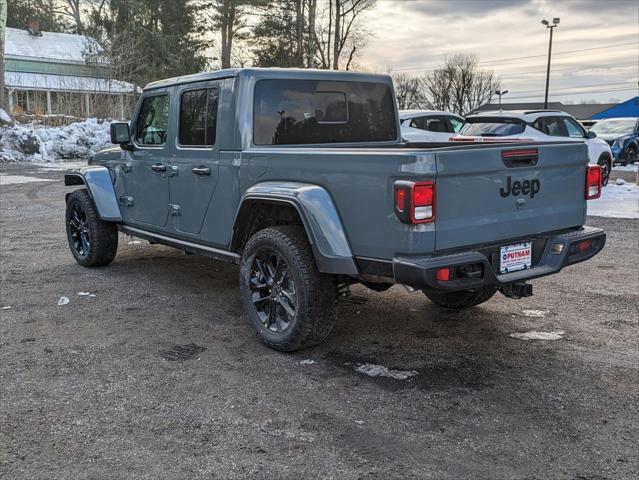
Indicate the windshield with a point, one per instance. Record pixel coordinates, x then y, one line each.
492 127
621 127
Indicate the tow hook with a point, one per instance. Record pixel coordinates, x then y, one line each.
516 290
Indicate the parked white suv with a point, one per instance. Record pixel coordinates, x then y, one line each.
536 125
428 125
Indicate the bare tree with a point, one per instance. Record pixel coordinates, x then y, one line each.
229 18
340 34
73 10
410 92
459 86
312 46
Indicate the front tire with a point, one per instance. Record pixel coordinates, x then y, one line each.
462 299
287 300
93 243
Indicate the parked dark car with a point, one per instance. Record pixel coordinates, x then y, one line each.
622 134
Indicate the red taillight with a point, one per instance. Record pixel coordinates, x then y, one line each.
594 181
415 201
423 210
443 274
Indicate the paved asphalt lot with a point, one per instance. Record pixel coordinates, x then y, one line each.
86 390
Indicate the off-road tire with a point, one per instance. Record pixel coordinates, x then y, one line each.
316 293
462 299
606 165
103 236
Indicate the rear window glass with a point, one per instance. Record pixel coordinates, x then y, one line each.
294 112
492 127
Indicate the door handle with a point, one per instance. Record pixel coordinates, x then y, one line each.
158 167
202 171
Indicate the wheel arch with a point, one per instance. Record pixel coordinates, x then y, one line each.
99 184
274 203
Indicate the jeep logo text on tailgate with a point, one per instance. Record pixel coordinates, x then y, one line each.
527 187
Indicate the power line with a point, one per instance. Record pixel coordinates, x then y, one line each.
404 69
575 93
576 87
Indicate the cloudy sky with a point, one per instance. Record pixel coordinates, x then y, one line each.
595 46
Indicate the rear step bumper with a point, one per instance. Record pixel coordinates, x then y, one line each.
476 270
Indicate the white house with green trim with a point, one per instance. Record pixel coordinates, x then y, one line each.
49 73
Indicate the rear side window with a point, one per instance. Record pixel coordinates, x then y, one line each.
552 126
492 127
437 124
152 121
198 115
295 112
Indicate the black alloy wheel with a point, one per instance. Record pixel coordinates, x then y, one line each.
79 230
272 291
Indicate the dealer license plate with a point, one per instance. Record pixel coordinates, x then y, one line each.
515 257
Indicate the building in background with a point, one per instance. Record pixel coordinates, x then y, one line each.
582 111
50 73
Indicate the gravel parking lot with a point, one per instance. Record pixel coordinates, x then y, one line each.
153 372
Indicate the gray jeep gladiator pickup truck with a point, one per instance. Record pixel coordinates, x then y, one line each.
300 177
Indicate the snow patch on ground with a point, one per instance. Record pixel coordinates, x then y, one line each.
63 301
534 313
308 361
616 201
373 370
24 143
19 179
628 168
556 335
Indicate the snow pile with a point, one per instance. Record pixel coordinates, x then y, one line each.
4 117
373 370
616 201
19 143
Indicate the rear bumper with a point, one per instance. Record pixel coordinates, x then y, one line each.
421 272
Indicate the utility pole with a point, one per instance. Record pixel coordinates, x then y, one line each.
500 93
555 22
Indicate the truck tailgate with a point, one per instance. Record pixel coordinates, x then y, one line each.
508 192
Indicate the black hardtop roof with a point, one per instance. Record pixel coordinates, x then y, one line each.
299 73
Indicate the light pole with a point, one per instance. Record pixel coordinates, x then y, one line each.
500 93
555 22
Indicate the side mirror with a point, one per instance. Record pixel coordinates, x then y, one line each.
591 134
120 134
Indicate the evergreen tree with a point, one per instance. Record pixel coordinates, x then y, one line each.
147 40
19 12
275 36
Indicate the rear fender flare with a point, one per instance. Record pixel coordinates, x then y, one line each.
319 216
99 184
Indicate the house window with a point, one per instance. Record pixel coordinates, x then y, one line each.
21 104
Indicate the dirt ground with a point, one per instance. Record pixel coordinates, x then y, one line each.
158 375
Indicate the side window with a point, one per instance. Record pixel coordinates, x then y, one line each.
573 129
551 126
152 121
455 123
198 118
437 124
417 122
